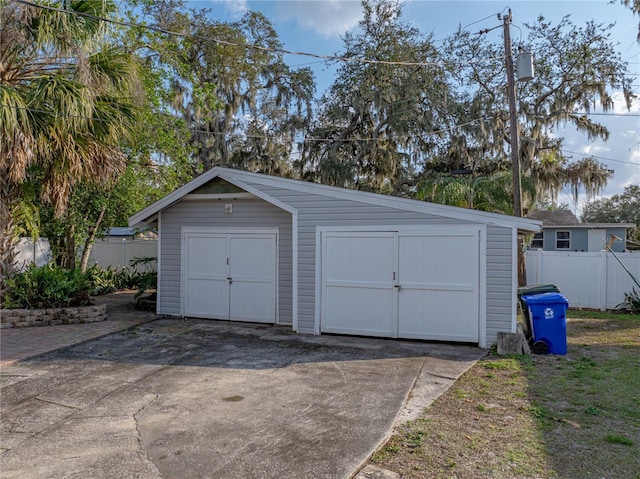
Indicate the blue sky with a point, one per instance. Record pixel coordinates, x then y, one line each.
315 26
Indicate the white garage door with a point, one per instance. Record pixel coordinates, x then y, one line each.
422 285
230 276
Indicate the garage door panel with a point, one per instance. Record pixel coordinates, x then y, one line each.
438 275
359 258
253 257
357 283
206 256
206 280
252 301
252 269
437 259
363 311
439 315
206 298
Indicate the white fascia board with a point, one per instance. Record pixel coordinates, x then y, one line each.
388 201
592 226
184 190
172 197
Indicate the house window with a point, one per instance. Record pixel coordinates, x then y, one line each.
563 239
538 241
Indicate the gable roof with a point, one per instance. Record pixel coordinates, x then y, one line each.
244 180
554 217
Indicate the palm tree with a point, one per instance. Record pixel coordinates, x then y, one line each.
66 104
486 193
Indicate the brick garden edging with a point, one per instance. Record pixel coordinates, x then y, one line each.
24 318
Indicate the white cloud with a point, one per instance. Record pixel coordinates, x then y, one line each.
325 17
620 106
235 8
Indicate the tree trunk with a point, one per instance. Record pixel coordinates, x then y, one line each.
69 254
91 239
9 194
522 265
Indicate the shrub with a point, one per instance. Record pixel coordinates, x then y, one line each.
143 280
632 301
47 287
107 280
103 281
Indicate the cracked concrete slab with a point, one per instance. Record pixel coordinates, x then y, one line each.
68 451
196 398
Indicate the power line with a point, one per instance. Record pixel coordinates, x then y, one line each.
221 133
246 45
485 18
601 157
605 114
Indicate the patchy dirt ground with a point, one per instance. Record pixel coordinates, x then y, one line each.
573 416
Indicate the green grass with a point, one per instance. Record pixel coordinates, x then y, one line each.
586 313
618 439
548 417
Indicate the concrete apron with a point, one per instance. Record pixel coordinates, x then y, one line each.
211 399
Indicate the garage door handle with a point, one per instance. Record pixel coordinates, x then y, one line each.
397 286
230 280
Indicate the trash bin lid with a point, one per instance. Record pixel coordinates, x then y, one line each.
545 298
538 289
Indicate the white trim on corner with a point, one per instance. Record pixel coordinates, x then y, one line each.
514 281
159 266
318 279
294 270
482 284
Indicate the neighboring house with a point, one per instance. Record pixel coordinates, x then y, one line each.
117 234
561 231
244 246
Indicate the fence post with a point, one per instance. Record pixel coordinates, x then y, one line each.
602 279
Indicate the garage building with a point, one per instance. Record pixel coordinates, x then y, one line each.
243 246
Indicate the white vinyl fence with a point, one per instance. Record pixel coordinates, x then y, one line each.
118 255
29 251
105 254
587 280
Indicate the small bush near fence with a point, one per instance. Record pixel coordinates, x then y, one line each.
138 275
47 287
632 301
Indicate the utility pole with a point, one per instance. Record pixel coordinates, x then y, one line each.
513 118
515 151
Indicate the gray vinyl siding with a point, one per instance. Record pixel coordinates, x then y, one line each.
209 213
499 284
316 210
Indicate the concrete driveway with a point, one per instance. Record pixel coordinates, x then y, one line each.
210 399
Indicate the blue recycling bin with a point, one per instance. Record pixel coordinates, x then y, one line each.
548 316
